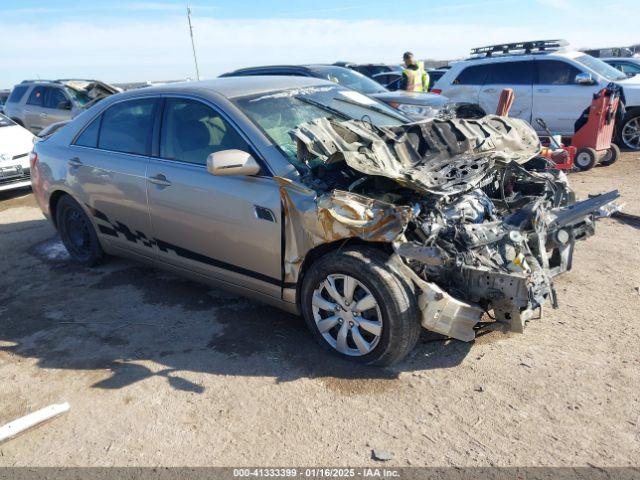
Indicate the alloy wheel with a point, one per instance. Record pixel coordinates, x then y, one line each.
631 133
347 315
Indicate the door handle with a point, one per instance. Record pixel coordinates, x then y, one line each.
264 213
161 180
489 90
43 115
74 162
543 90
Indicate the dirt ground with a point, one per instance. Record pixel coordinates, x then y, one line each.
163 371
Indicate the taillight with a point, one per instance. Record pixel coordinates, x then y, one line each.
436 91
33 159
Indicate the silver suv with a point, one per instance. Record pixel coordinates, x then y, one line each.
36 104
298 193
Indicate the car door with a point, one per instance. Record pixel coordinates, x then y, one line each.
516 75
557 98
465 87
224 227
34 112
56 107
107 168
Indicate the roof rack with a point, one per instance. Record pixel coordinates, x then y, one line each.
521 47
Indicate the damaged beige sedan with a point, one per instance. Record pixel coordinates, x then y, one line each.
323 202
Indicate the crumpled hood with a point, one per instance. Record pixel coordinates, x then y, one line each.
440 157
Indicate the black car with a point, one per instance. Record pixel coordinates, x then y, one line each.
415 105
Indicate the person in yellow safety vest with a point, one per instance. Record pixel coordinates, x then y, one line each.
414 77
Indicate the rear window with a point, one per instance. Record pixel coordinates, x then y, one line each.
36 97
473 75
89 137
126 127
16 94
510 73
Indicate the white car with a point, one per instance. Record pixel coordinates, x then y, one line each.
549 80
16 143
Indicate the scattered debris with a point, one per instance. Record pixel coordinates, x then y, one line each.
381 455
12 429
479 388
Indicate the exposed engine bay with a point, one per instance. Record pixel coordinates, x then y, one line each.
478 222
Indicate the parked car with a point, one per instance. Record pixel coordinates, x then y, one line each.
550 82
415 105
385 75
4 94
630 66
297 192
369 69
15 145
36 104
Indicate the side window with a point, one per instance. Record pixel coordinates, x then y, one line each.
510 73
473 75
17 94
628 68
89 137
37 97
53 97
555 72
191 131
127 127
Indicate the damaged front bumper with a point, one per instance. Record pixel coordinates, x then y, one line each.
476 230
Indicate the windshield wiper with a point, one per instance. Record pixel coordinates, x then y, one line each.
377 109
322 106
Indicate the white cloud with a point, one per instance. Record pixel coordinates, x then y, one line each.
114 50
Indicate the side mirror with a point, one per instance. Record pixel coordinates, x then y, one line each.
584 79
64 105
232 162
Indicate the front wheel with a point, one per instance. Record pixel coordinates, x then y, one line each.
359 308
629 135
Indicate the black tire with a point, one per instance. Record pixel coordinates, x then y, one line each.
586 158
625 136
394 296
77 233
611 156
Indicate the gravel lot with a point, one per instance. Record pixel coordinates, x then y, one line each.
163 371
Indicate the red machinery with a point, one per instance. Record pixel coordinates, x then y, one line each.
592 141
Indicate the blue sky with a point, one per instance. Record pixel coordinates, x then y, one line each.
129 40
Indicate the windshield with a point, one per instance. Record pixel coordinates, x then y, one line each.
79 97
601 68
5 122
276 114
350 79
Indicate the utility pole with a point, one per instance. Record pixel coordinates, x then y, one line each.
193 45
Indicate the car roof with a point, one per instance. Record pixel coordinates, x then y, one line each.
232 87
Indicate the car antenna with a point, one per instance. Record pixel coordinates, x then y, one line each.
193 45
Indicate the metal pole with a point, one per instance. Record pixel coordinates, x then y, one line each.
193 45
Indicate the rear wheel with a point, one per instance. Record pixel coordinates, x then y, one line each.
359 308
611 156
586 158
77 232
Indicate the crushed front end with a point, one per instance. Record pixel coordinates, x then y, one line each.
480 224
